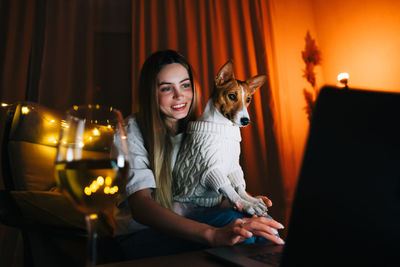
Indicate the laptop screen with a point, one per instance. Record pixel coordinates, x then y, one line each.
346 209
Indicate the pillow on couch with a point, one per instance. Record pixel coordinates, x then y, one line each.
32 165
32 143
55 210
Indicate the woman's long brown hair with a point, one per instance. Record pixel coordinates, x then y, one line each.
152 125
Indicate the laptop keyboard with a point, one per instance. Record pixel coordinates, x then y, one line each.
273 258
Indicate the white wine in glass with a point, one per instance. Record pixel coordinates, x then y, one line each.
92 163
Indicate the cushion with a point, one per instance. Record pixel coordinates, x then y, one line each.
32 165
54 209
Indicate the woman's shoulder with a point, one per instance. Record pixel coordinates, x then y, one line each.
131 122
131 119
132 127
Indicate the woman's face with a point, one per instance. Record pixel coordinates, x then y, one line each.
175 92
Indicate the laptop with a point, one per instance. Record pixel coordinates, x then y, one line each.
346 209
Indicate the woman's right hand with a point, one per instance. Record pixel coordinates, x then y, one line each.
241 229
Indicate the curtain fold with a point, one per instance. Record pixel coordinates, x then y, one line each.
17 19
67 66
86 54
208 33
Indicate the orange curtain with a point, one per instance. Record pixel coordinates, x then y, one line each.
208 33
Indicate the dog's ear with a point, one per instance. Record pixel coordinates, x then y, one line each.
256 82
225 73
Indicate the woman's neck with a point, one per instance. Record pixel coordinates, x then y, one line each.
173 127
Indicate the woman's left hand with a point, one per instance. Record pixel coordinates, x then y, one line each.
264 227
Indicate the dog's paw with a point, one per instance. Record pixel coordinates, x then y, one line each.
261 209
259 206
251 208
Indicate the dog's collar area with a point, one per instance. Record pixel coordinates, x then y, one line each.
205 127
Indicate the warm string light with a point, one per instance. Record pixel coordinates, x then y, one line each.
5 105
49 121
52 122
25 110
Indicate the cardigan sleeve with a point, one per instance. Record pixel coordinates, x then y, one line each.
140 175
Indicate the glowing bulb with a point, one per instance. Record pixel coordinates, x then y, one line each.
87 191
107 190
75 107
25 110
108 180
100 180
4 105
343 79
94 187
53 140
96 132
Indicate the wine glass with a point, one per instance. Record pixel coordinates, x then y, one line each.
92 163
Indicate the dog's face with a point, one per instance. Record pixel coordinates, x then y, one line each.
232 97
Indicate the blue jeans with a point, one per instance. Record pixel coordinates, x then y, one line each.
151 243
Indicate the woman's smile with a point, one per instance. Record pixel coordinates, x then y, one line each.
179 107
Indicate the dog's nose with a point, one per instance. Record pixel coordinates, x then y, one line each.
244 121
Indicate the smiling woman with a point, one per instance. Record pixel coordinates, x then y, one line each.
148 223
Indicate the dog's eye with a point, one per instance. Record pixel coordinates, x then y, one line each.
248 99
232 97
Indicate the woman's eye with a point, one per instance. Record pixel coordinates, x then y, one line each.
186 85
248 100
165 89
232 97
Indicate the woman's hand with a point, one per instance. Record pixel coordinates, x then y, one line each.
241 229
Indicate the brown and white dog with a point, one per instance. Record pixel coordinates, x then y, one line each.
207 165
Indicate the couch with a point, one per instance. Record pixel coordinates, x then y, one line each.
53 231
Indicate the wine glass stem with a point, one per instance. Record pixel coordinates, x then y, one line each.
91 225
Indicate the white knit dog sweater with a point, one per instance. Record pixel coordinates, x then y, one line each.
207 161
